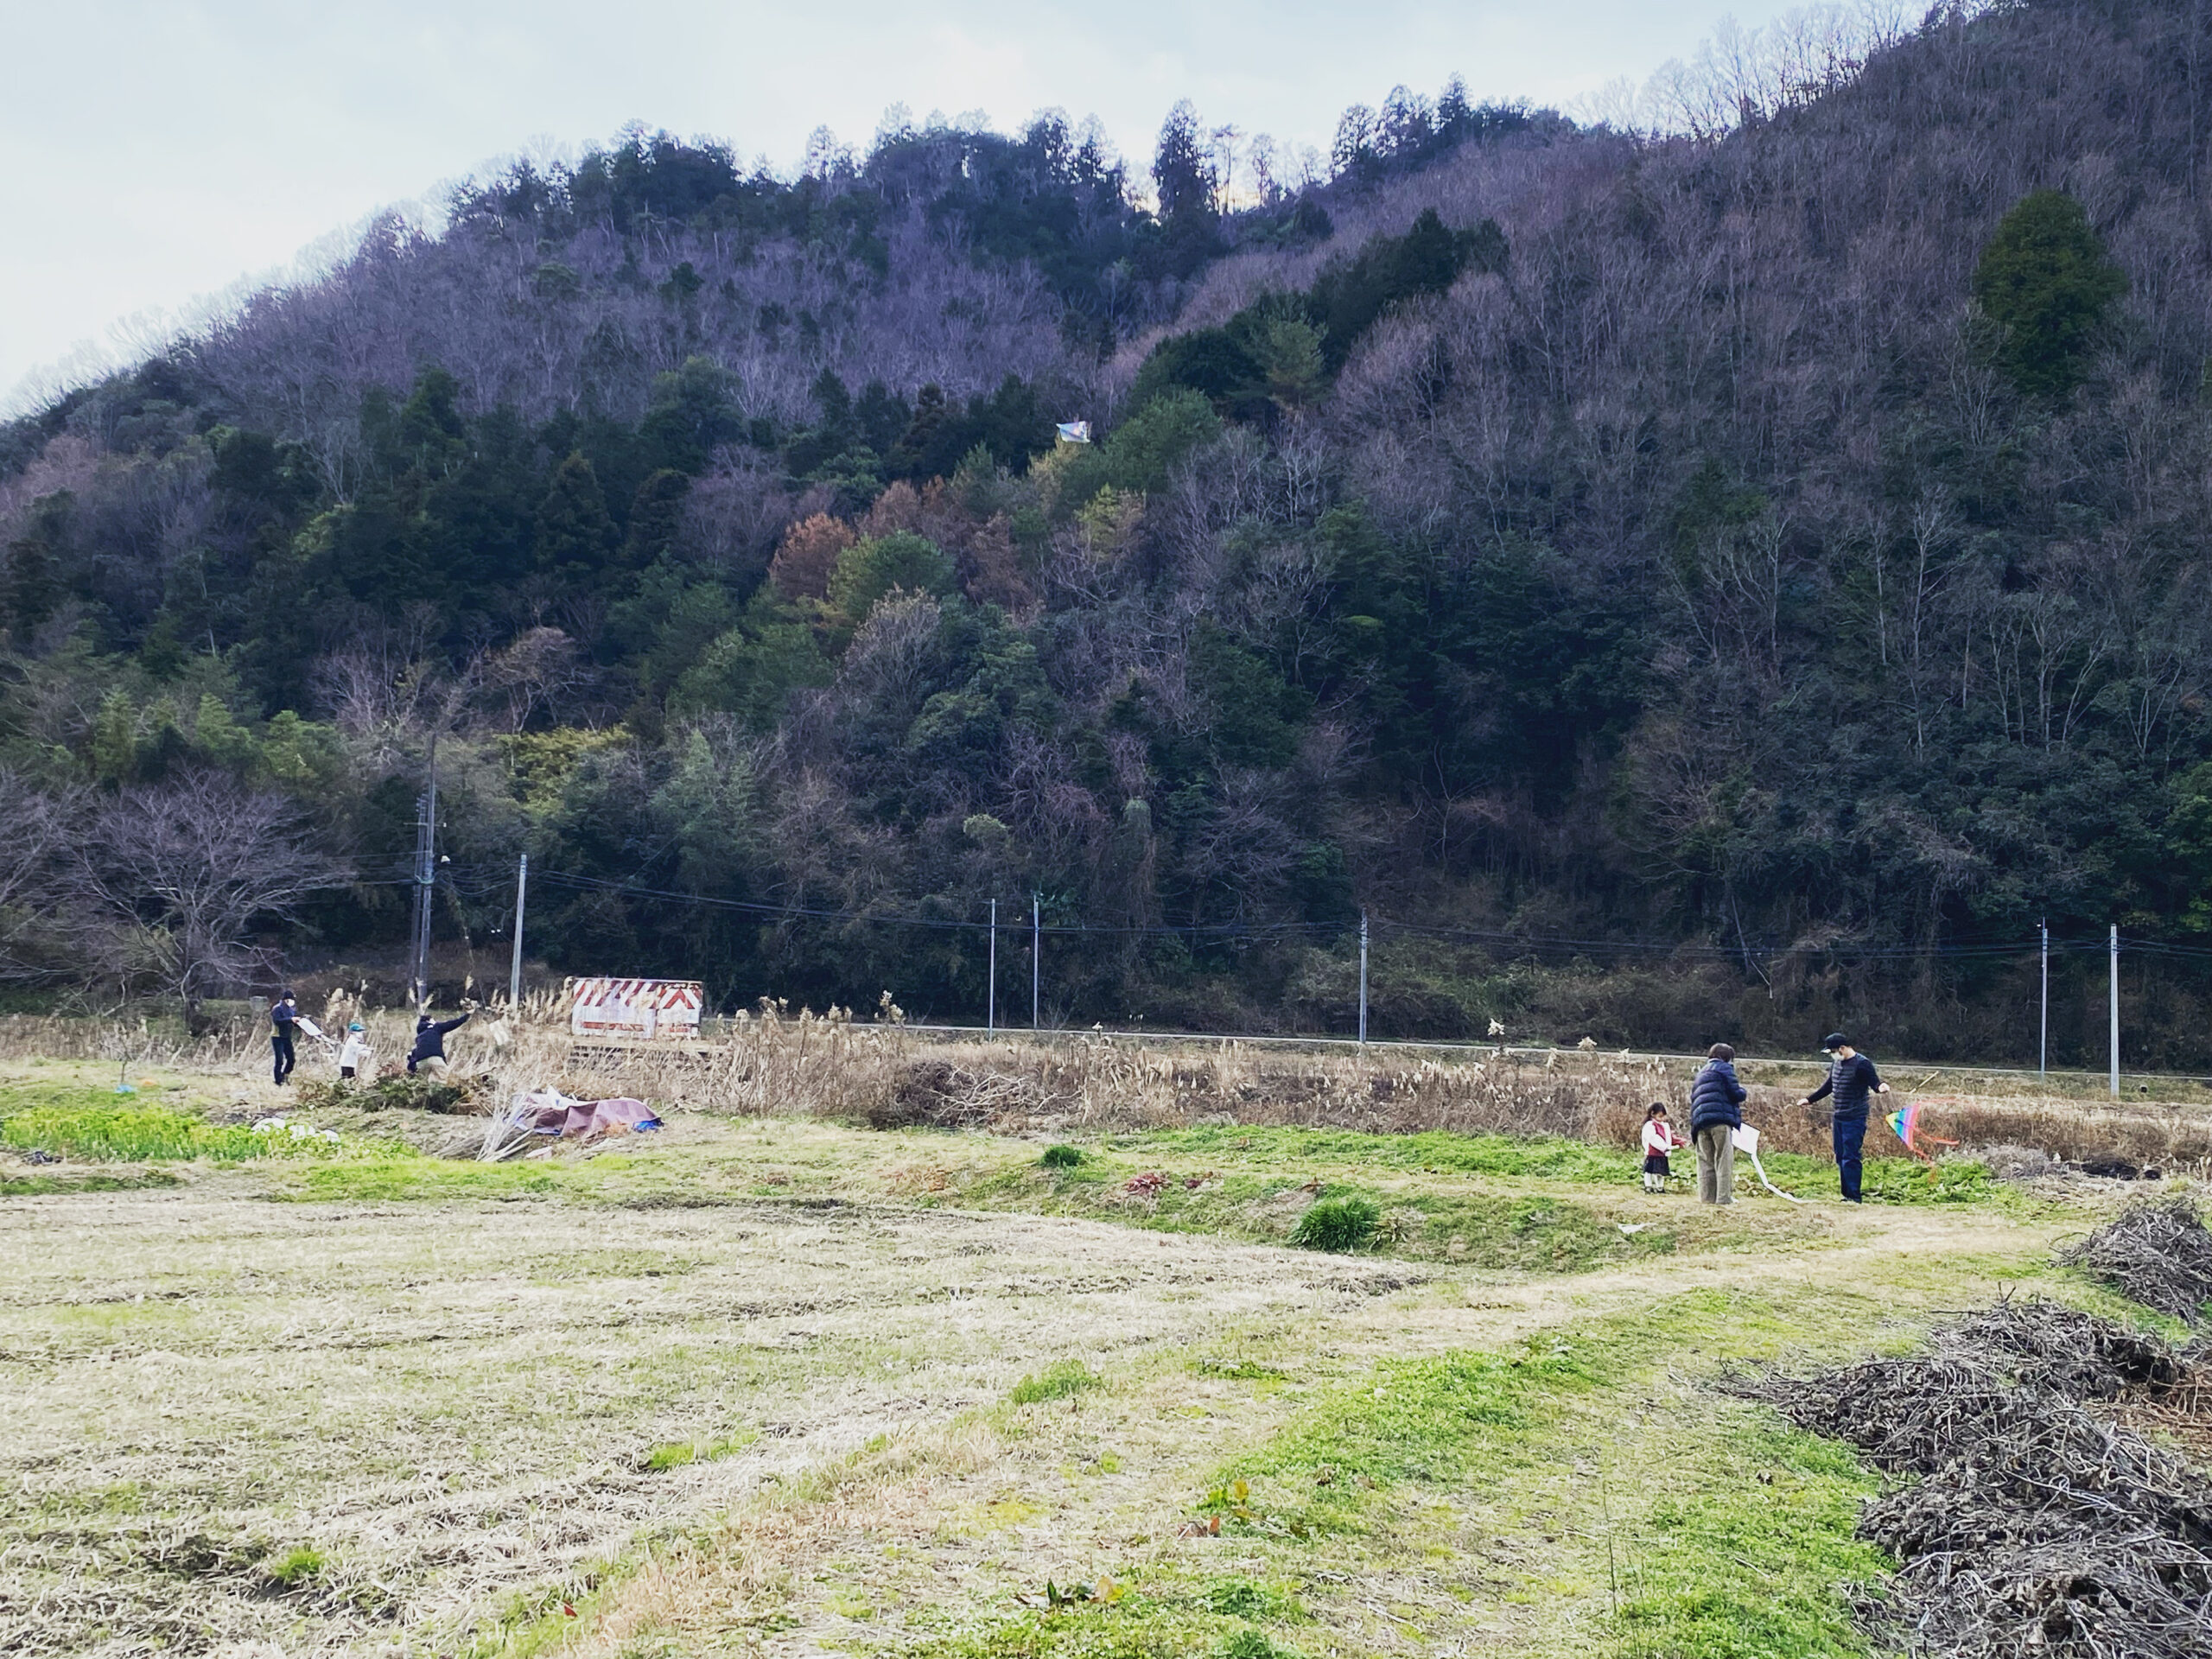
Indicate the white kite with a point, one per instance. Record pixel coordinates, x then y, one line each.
1745 1140
1074 431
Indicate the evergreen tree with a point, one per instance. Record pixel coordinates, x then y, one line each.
575 534
1180 169
2045 280
31 592
655 515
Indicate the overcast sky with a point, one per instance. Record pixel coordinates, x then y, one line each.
154 152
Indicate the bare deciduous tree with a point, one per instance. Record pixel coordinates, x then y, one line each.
33 855
172 880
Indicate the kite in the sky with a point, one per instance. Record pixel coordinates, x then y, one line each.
1905 1123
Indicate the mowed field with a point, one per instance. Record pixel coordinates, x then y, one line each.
779 1385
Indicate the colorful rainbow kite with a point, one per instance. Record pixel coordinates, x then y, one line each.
1905 1123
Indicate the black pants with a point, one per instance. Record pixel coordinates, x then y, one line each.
1850 1137
280 1045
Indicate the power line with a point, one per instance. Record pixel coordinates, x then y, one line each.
1254 932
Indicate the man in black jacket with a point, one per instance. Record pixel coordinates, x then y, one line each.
284 1017
429 1054
1716 1113
1852 1079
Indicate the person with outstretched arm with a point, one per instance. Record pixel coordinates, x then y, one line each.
1853 1081
429 1054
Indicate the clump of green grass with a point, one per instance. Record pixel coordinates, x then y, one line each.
675 1454
296 1565
1253 1644
1061 1157
1235 1370
1338 1224
1056 1382
1238 1597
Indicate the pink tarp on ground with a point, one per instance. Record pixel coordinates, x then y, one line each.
583 1117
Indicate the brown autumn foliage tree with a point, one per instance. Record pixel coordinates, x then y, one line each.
807 555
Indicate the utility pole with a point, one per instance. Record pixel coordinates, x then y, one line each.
426 876
2115 1010
991 1004
2042 1047
1362 978
514 974
1036 955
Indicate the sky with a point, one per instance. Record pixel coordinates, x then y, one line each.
154 155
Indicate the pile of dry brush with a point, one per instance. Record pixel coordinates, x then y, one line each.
2038 1522
2158 1254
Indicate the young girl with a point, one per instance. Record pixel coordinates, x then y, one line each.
353 1058
1659 1139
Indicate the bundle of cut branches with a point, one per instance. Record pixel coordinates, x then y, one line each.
2035 1525
2156 1252
936 1094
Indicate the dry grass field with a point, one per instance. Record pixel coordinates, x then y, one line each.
809 1371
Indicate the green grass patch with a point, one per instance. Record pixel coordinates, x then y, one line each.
1756 1554
1437 1152
1885 1180
1061 1157
1163 1615
1537 1232
1740 1546
1056 1382
394 1175
675 1454
90 1125
35 1186
1434 1420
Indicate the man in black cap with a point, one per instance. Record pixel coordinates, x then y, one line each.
1851 1079
284 1019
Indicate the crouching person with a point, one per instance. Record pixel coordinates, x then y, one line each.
1716 1113
427 1057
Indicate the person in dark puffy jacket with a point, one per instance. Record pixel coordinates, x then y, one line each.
1852 1079
1716 1113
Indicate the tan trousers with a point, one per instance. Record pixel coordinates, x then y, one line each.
433 1067
1716 1165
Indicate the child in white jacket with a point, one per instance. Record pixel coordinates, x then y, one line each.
1659 1139
355 1059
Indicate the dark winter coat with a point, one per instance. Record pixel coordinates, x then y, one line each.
1851 1082
1716 1097
431 1040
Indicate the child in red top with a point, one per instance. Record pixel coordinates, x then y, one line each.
1659 1139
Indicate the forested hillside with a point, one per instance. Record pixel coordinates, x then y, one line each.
1771 554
